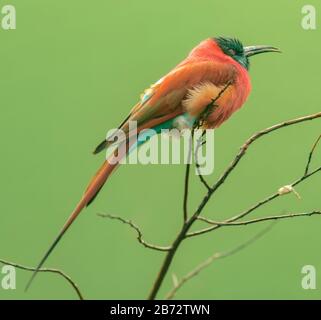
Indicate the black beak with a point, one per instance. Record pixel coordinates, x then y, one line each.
253 50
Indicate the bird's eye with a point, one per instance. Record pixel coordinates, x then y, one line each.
232 52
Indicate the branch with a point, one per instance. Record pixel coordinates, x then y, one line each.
254 207
61 273
190 221
210 108
253 138
200 143
276 217
311 155
214 257
138 231
235 162
270 198
186 182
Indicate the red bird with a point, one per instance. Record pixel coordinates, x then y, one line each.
216 69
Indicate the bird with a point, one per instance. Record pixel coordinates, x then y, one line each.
216 69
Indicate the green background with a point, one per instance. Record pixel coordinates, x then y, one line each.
73 69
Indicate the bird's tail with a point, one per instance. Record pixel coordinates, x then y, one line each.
92 190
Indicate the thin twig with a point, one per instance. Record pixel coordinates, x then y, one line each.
50 270
186 181
253 138
210 108
247 222
252 208
200 144
266 200
199 123
138 231
311 155
186 184
214 257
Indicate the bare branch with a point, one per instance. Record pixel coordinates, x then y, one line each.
198 124
276 217
253 138
138 231
49 270
218 255
184 232
210 108
311 155
186 181
200 143
254 207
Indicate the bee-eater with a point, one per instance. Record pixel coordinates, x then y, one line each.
185 92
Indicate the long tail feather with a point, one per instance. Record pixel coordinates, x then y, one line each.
93 188
101 147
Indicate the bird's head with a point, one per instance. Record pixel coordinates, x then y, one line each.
235 49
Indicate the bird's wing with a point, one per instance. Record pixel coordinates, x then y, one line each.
163 100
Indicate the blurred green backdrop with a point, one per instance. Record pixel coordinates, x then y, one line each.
72 70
